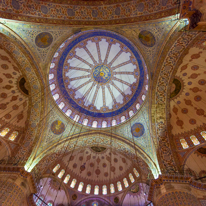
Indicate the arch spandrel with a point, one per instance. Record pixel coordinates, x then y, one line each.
160 105
17 49
89 139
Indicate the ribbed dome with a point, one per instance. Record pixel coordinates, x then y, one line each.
98 78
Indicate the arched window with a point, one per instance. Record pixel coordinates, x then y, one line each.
125 182
68 112
94 124
51 76
39 201
50 204
114 122
135 172
203 133
123 118
56 96
119 186
88 189
56 168
112 188
131 177
13 136
131 113
52 87
62 45
66 180
52 65
61 105
104 189
61 174
76 118
81 185
137 106
96 190
85 122
56 54
143 97
4 132
184 144
73 183
194 140
104 124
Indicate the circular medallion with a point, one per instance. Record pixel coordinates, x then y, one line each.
176 87
44 39
102 74
57 127
100 77
147 38
137 130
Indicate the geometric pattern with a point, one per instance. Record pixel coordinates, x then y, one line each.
98 77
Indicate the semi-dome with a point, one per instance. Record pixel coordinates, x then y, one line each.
98 78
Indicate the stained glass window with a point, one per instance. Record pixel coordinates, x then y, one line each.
104 189
61 174
119 186
125 182
52 87
4 132
85 122
39 201
73 183
194 140
112 188
131 177
81 185
52 65
123 118
137 106
94 124
51 76
184 144
61 105
96 190
50 204
56 96
135 172
68 112
13 136
143 97
56 168
76 118
114 122
66 180
88 189
131 113
203 133
104 124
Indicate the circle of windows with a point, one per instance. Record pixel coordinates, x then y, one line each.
101 73
95 123
96 187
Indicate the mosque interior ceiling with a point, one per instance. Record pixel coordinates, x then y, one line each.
99 97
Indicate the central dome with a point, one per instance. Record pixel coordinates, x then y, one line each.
98 78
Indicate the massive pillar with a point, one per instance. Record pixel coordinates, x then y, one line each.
176 190
15 186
